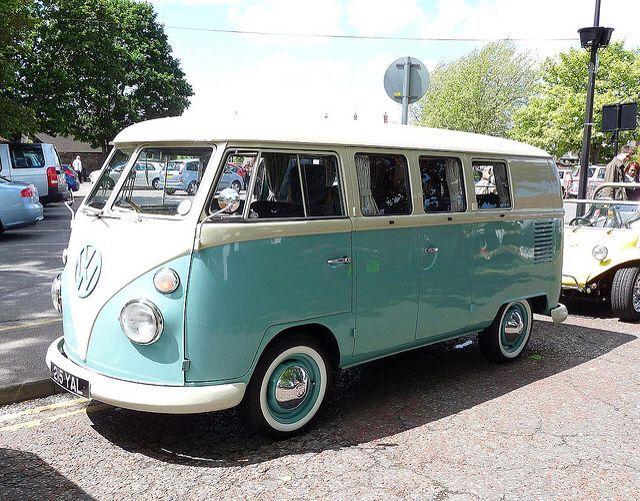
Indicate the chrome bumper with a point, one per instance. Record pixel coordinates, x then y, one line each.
559 314
147 397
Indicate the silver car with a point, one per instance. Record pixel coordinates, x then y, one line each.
19 204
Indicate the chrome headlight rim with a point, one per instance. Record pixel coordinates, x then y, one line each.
157 314
600 252
56 293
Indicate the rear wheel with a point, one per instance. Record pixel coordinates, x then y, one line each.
192 188
625 294
288 387
156 184
236 186
508 334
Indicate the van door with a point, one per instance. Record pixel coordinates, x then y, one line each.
5 163
445 249
28 165
282 258
385 254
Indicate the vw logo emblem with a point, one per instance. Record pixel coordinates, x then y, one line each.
88 268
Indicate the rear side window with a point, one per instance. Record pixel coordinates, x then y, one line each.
383 180
442 184
321 185
491 184
26 156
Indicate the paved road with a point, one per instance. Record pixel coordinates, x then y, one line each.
561 422
29 260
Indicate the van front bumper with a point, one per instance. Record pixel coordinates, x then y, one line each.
147 397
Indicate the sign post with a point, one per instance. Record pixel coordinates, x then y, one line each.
406 80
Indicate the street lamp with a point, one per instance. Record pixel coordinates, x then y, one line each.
592 38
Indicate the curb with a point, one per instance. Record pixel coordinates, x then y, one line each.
28 391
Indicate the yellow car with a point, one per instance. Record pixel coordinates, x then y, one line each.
602 252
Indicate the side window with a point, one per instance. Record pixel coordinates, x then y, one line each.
442 184
321 183
193 166
383 180
26 156
236 174
277 189
491 184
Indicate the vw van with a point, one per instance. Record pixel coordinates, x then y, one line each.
350 244
602 251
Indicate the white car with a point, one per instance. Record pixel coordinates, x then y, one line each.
147 174
595 177
37 164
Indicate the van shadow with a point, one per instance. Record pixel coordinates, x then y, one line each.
23 475
370 402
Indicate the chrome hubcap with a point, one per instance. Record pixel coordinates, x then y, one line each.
636 294
292 387
514 325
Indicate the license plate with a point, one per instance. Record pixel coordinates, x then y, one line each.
69 382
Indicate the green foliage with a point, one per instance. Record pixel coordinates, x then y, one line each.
554 117
15 33
479 92
100 65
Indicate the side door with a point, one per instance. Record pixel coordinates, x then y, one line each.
446 258
385 255
282 258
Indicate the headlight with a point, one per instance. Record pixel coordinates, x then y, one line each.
600 252
141 321
56 293
166 280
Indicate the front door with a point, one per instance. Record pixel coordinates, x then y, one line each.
445 249
385 255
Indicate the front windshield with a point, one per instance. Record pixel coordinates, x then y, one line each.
110 174
164 180
607 215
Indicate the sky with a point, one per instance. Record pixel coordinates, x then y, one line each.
305 78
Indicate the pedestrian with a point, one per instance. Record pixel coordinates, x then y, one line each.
631 175
77 166
615 173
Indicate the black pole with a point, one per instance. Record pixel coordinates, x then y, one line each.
588 117
616 138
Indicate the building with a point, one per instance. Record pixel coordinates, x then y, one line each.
67 148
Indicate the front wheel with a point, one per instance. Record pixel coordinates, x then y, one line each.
236 186
288 387
156 184
625 294
508 334
192 188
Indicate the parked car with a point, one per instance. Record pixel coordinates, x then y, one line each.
19 204
565 175
72 177
602 254
37 164
185 175
595 178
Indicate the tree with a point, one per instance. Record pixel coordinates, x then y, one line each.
100 65
554 117
479 92
15 35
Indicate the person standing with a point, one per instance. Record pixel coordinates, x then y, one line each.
77 166
615 173
632 175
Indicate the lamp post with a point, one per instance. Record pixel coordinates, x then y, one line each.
592 38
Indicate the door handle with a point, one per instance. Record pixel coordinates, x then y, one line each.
431 250
339 260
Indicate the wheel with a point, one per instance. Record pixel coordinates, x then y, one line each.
288 386
508 334
170 191
625 294
156 184
192 188
236 186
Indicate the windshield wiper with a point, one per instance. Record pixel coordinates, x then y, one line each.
92 211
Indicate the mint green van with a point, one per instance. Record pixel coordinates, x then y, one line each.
347 245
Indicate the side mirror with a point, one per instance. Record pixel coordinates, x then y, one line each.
229 200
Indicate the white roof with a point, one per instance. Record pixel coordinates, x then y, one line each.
180 129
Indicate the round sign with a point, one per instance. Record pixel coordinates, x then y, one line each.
418 79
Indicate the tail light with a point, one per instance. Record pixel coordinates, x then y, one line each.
52 177
26 193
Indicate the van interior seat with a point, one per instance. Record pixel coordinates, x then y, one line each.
275 209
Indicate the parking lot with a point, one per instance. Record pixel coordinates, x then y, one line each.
440 423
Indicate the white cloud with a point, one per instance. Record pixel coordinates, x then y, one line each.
380 17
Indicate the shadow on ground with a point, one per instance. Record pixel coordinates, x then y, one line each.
24 475
370 402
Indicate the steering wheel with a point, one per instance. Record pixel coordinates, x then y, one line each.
576 220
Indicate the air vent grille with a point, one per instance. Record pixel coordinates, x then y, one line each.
543 242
